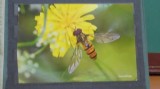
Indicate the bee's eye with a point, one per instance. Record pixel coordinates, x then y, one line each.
74 33
77 32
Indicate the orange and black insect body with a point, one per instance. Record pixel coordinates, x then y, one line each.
88 47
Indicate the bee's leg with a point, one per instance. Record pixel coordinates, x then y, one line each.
78 40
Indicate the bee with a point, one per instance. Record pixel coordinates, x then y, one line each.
82 39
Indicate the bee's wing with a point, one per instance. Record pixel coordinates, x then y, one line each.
75 60
106 37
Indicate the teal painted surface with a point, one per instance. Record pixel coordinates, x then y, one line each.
152 23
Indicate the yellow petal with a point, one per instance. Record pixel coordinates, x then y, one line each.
51 17
71 38
55 12
87 27
86 9
86 17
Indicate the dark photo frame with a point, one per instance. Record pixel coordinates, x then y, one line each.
11 81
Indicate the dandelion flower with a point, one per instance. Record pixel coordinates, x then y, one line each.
62 19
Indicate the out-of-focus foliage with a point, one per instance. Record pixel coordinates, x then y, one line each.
115 61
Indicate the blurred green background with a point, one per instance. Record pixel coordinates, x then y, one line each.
115 61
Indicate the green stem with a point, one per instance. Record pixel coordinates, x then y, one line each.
40 50
25 44
101 69
45 19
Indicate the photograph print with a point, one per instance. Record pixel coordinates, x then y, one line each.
72 42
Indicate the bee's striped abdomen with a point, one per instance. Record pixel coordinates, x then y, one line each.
91 52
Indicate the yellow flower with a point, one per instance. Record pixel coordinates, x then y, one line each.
62 19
